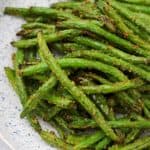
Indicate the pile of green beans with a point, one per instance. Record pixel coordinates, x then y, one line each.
83 67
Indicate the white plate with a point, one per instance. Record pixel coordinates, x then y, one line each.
15 132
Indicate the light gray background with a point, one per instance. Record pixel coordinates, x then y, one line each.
15 133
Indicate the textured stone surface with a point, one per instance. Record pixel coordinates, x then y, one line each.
15 131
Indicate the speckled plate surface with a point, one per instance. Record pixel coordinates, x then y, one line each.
15 133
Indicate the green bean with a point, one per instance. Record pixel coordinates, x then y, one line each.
30 56
109 49
71 5
103 143
36 25
39 11
143 2
89 140
39 77
36 97
82 9
29 19
132 135
136 116
17 60
91 89
28 33
13 80
128 34
94 28
88 123
49 38
146 112
112 61
21 89
114 147
147 103
44 106
75 139
105 89
101 103
137 30
134 17
108 23
52 139
145 88
48 114
136 96
73 90
134 132
83 63
124 98
92 1
59 101
68 47
112 113
139 144
140 17
50 12
145 67
63 124
10 73
146 96
135 7
33 69
98 78
76 63
23 12
37 19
